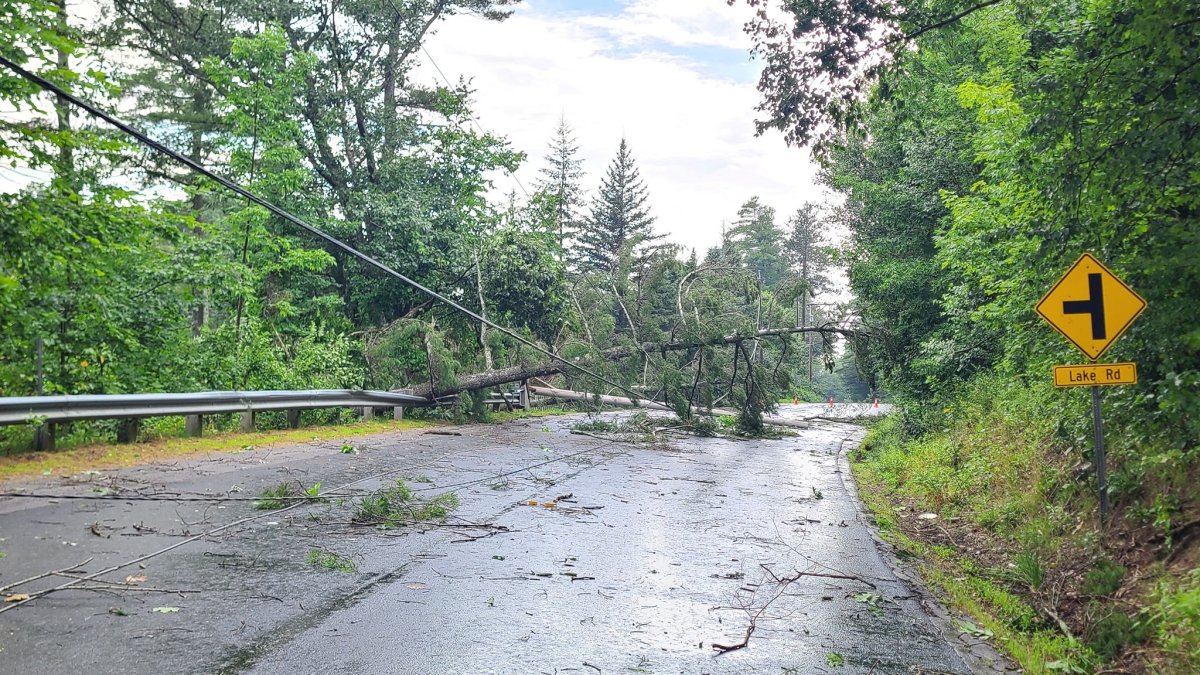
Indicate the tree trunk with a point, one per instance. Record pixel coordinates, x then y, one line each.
493 378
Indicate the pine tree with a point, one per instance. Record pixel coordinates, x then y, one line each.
561 181
757 241
806 248
619 217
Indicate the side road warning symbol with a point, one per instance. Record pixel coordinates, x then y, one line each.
1090 306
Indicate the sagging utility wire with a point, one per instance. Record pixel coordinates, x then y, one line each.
230 185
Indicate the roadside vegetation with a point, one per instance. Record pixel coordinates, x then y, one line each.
999 510
100 453
980 150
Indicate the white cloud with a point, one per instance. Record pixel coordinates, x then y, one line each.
675 22
689 118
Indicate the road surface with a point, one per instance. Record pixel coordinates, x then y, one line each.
660 557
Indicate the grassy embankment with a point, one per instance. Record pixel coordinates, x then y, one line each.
1015 543
166 442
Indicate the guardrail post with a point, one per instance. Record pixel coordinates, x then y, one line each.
398 413
127 429
247 422
43 438
293 419
194 425
368 414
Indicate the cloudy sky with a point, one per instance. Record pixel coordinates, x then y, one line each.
673 76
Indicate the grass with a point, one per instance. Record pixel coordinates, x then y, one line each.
1173 617
104 455
330 561
110 456
998 470
963 587
399 505
988 469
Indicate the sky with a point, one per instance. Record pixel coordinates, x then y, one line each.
674 77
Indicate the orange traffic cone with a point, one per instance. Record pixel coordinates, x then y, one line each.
795 400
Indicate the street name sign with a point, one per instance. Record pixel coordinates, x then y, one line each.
1090 306
1095 375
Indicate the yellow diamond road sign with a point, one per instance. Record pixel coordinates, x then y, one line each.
1090 306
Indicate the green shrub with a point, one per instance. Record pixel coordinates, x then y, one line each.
1113 632
1103 579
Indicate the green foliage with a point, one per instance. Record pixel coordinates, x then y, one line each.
1113 632
594 425
1173 619
990 153
754 238
282 495
1103 579
331 561
86 278
561 182
1028 570
398 505
620 217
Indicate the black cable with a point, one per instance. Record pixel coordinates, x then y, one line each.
192 164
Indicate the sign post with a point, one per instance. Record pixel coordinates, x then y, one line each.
1101 473
1092 307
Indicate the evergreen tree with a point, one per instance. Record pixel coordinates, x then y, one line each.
756 241
805 248
561 181
619 218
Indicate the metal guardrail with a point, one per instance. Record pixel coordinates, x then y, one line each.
24 409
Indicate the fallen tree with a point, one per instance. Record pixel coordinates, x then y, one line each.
568 395
520 373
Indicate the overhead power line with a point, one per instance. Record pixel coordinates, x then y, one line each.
234 187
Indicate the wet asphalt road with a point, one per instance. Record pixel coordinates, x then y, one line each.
659 553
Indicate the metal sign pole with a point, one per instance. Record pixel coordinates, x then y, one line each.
1098 428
